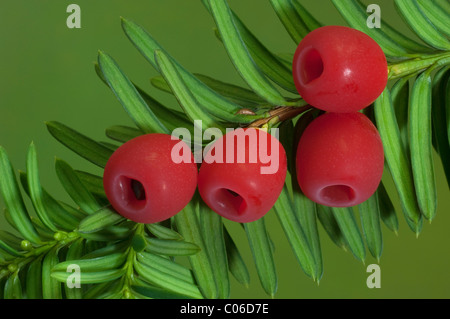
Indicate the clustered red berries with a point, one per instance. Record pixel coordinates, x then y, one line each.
339 158
144 183
340 155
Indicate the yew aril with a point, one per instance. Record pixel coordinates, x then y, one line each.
144 184
340 159
243 174
339 69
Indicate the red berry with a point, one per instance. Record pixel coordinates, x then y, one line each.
340 159
243 174
339 69
144 184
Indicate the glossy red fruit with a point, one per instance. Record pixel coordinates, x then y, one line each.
340 159
144 184
339 69
243 174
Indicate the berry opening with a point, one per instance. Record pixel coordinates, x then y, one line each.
231 202
133 192
311 66
138 189
337 195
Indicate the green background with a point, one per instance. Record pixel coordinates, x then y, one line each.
47 73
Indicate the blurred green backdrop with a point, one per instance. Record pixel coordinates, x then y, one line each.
47 73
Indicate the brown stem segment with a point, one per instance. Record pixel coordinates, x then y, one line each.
280 114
